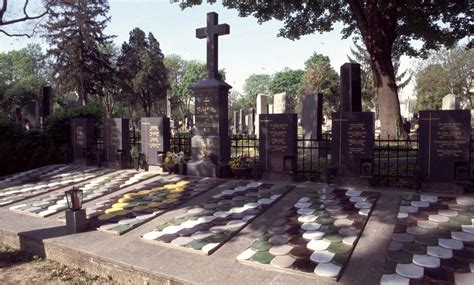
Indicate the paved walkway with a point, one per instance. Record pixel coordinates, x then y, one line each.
130 260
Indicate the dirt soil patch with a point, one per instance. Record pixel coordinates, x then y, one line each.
18 267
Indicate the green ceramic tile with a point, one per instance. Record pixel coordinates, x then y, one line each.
339 248
450 226
262 257
439 233
426 240
217 238
265 237
414 248
462 220
400 257
389 267
340 259
196 244
333 238
261 245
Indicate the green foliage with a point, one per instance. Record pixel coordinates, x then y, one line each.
431 86
446 72
22 74
78 45
256 84
143 73
289 81
320 77
21 150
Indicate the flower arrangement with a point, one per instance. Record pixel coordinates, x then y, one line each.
174 158
241 161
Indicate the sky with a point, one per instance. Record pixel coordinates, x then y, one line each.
249 48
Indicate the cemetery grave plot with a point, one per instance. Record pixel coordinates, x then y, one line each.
29 175
129 210
65 177
433 241
316 236
207 227
98 187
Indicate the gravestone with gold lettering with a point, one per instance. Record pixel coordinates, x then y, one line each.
117 142
83 140
352 148
277 146
155 138
210 146
444 141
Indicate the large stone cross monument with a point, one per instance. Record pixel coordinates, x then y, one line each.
210 146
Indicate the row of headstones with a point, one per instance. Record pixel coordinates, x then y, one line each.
155 139
37 110
443 148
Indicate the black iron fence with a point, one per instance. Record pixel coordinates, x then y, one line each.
181 142
313 157
395 162
244 145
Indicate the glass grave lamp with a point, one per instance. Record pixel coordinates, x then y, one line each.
74 198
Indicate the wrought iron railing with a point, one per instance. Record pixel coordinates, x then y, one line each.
313 157
244 145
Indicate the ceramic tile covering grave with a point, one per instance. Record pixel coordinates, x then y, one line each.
66 176
433 242
28 176
56 201
129 210
207 227
316 236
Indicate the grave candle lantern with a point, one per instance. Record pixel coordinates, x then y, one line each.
74 199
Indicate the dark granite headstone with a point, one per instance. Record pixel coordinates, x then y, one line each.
18 115
155 138
278 146
117 142
84 143
444 142
34 114
251 124
352 149
47 101
312 116
351 98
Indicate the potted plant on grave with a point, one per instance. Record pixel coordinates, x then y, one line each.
173 160
135 153
241 166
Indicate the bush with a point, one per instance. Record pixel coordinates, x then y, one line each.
21 150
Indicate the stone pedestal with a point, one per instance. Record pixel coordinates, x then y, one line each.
76 221
210 146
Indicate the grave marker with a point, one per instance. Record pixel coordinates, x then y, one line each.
236 122
251 121
450 102
312 116
351 100
241 121
84 143
277 146
155 138
210 146
444 142
262 108
280 103
47 101
353 143
117 142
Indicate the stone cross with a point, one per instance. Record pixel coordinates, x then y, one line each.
211 32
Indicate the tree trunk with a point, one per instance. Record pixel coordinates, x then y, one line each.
387 97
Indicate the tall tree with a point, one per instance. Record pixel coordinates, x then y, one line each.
320 77
143 73
359 54
6 10
256 84
75 32
385 27
289 81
